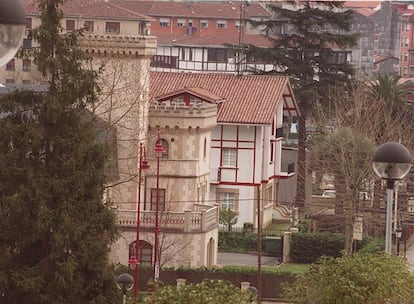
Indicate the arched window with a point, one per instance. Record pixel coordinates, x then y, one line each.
145 252
164 143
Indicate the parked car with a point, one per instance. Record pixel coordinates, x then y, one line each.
329 193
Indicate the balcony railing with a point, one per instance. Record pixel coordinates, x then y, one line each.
202 220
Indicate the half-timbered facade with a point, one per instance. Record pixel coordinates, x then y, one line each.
244 154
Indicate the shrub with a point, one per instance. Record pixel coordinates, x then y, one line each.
309 247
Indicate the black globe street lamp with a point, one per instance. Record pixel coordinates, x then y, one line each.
12 28
252 293
391 162
125 282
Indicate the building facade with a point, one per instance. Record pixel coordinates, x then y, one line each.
243 151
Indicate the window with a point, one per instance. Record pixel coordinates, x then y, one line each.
164 143
27 64
88 25
27 82
239 25
27 44
161 206
164 61
204 24
190 54
229 157
144 253
10 66
221 24
407 26
205 148
217 55
228 200
10 80
182 54
181 22
405 57
164 22
70 25
28 23
407 41
112 27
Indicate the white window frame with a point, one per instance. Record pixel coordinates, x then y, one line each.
203 24
221 24
165 22
228 200
181 22
229 157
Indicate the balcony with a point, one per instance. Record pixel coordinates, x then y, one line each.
204 219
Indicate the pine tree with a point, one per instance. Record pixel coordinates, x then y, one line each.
55 231
303 39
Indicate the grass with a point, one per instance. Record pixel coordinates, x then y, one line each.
282 226
292 269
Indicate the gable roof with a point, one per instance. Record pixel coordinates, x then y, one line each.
90 8
196 9
197 92
250 99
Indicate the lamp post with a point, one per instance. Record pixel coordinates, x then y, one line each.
398 234
135 259
12 28
125 282
159 149
391 162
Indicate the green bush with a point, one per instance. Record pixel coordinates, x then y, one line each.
370 245
309 247
237 242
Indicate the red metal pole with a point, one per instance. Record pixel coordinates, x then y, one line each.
136 273
158 150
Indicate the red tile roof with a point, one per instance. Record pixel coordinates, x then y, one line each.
249 99
198 92
200 9
90 8
217 39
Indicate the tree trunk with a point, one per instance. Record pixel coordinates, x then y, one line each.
301 168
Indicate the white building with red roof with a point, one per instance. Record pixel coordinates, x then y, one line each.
238 157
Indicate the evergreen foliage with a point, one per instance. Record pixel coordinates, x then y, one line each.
228 218
208 291
55 231
391 89
356 279
309 247
303 39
